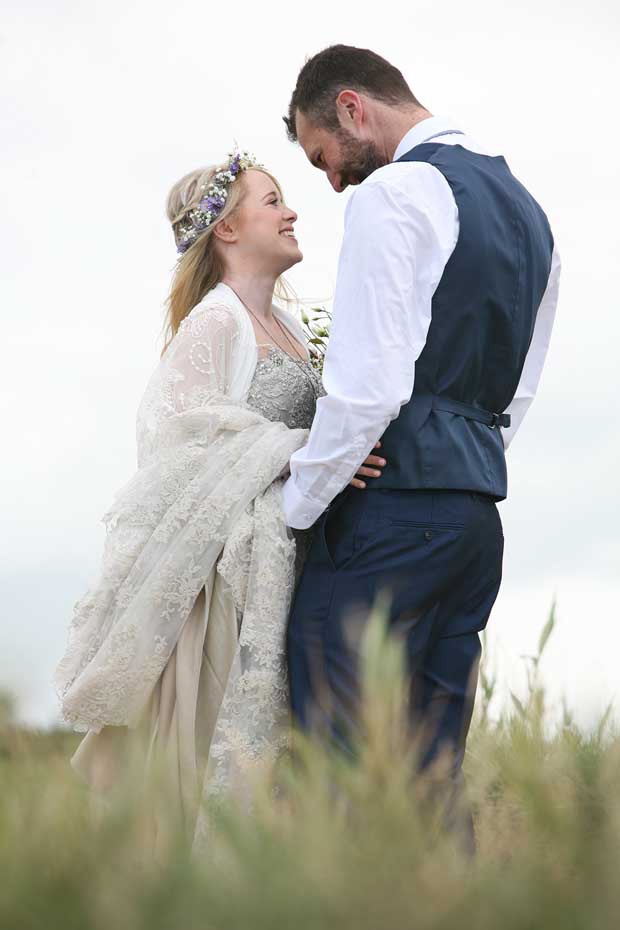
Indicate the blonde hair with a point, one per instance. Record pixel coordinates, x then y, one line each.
201 268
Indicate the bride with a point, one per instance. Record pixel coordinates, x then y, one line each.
180 644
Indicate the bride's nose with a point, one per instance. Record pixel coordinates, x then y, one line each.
291 215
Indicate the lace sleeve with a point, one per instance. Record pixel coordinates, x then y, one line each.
200 359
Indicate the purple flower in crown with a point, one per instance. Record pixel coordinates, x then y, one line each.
212 203
213 200
186 237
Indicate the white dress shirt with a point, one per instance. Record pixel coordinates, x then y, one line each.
401 226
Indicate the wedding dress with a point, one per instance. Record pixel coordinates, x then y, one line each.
181 642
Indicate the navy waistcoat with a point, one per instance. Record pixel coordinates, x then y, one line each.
483 315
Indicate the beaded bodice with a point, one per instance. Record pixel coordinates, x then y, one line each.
285 389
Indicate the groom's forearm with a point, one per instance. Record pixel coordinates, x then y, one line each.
337 446
299 511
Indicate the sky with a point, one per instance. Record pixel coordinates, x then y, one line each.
103 106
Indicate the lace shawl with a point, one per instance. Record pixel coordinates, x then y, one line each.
195 542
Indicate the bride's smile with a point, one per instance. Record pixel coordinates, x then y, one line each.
260 237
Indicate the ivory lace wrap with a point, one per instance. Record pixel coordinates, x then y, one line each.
183 634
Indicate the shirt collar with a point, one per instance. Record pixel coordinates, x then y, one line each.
421 132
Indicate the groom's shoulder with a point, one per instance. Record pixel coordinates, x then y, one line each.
415 182
414 175
404 175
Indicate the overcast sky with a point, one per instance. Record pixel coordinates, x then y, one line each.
106 104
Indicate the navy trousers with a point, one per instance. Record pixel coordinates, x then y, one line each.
438 556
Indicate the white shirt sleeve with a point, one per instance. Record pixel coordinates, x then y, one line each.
536 354
401 226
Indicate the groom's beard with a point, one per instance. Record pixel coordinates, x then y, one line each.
359 159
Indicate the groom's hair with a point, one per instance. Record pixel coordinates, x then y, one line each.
343 67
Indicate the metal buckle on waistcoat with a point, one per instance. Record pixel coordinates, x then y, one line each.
499 419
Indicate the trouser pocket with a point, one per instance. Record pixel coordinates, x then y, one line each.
339 527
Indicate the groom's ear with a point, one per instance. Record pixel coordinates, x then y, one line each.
224 231
350 108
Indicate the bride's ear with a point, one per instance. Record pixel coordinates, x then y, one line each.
224 231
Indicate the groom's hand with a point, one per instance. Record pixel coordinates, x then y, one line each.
370 468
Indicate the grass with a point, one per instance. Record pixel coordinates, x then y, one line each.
338 846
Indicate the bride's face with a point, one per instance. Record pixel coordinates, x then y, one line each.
264 226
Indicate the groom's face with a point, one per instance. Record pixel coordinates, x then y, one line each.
343 157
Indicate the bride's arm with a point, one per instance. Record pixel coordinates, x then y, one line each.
200 357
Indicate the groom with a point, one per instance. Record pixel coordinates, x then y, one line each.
444 303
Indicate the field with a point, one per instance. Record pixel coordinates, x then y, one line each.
338 846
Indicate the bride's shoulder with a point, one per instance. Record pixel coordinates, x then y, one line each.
214 312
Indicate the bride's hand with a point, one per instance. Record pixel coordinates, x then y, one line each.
370 468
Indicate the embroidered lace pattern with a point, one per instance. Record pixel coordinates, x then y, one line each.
287 390
205 496
252 726
203 459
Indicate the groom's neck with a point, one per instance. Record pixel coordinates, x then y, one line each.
393 123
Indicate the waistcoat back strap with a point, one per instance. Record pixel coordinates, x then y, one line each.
470 412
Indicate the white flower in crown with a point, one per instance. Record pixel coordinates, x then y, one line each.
213 199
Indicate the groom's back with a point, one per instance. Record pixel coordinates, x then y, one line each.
483 314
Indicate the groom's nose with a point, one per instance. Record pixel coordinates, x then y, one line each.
335 179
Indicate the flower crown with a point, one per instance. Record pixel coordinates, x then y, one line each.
213 199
